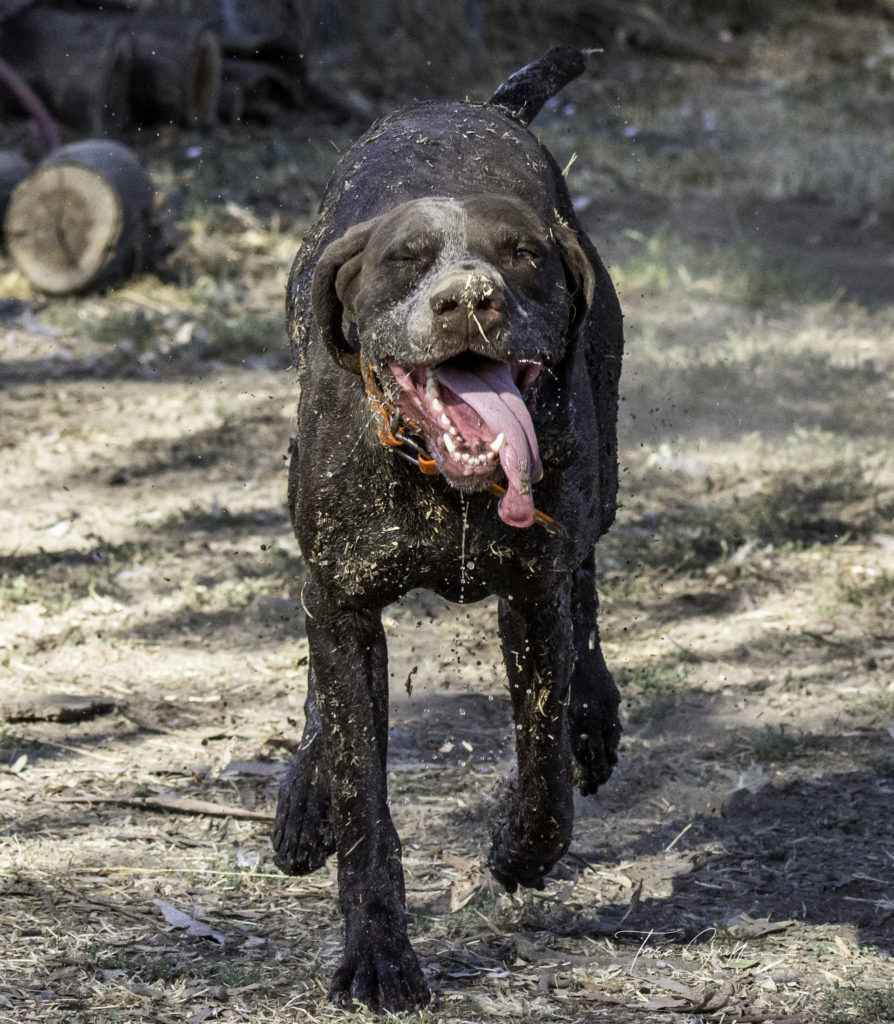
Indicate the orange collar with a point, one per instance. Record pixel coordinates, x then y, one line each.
389 427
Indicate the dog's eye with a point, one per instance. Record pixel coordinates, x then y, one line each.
526 254
407 257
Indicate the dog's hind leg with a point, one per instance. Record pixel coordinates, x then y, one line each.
350 665
302 832
593 707
537 648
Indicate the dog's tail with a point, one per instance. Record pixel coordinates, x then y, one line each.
525 92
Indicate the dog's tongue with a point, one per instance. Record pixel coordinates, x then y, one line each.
493 395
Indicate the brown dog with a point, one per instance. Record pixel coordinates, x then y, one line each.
446 307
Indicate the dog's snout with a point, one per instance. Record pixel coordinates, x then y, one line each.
468 302
443 303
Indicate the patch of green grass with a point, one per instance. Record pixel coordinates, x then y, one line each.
873 590
650 679
18 590
224 330
236 335
57 580
779 745
883 767
168 969
651 692
851 1005
236 973
139 327
803 508
807 499
663 260
10 741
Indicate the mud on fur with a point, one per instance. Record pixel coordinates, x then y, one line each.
447 275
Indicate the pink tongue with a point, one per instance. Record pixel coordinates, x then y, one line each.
492 393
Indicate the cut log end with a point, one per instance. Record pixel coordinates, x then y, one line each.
84 217
62 227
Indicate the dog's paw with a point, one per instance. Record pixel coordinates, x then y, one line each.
379 968
515 861
595 726
302 832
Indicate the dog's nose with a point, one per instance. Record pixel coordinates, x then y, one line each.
468 304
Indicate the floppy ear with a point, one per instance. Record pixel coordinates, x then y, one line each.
579 272
332 290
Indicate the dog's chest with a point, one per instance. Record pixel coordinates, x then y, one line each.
403 538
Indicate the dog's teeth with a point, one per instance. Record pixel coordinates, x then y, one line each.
436 405
431 385
454 431
448 444
444 421
497 444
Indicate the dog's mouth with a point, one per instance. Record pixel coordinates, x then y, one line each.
475 417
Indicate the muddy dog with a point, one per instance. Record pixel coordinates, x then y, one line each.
458 342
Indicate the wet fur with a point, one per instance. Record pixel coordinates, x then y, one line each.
371 527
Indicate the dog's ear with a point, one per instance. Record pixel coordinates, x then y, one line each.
332 292
579 272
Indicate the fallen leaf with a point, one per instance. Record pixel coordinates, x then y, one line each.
665 1003
179 919
745 927
673 986
460 863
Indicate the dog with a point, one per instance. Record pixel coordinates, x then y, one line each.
458 344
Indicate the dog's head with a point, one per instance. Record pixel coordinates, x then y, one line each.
457 305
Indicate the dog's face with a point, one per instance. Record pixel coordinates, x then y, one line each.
457 305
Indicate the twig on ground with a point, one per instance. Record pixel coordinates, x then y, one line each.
186 805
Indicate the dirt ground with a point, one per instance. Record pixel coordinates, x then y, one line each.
739 866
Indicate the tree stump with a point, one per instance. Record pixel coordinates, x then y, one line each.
78 63
84 217
176 70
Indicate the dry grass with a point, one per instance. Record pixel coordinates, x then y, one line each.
738 867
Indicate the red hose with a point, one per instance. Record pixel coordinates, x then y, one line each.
32 103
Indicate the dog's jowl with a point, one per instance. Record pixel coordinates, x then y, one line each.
459 344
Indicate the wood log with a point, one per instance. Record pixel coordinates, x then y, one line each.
13 168
262 88
79 63
84 217
56 707
176 70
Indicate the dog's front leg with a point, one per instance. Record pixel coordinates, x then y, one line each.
538 650
349 660
302 831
